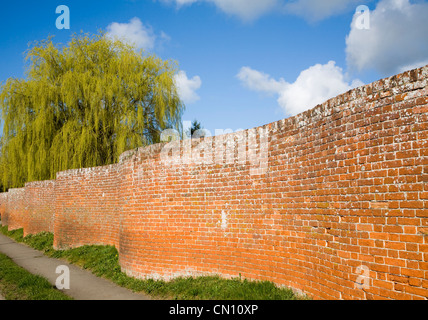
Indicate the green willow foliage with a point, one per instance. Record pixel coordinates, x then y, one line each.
82 105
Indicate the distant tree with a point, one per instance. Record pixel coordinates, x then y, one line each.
82 105
196 125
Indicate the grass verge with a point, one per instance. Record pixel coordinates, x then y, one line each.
103 261
17 283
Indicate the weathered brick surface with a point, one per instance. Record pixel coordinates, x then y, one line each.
40 207
87 209
13 215
332 202
3 205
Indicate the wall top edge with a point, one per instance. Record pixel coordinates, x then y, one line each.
16 190
73 172
327 108
39 183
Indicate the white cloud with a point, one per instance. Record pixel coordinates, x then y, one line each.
313 86
181 2
396 40
259 81
244 9
187 87
135 32
315 10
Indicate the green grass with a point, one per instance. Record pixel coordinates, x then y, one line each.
17 283
103 261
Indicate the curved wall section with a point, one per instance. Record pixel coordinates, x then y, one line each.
40 207
87 207
332 202
15 205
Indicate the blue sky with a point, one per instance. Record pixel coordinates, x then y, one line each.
243 63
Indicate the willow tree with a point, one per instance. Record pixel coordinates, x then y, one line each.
82 105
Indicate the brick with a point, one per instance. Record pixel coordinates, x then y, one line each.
420 109
422 292
392 229
410 255
399 279
415 282
412 273
411 238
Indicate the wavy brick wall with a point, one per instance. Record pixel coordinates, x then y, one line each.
13 215
332 202
40 207
88 206
3 205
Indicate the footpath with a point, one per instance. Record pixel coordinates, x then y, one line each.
83 284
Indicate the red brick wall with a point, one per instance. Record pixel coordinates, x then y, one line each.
344 195
321 202
3 206
87 208
40 207
13 215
